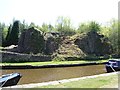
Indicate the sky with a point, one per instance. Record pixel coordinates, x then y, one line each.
47 11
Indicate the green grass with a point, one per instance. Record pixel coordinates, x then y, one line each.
53 62
1 47
98 82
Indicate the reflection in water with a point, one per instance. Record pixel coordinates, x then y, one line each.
51 74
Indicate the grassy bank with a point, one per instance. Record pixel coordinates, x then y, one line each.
55 62
110 81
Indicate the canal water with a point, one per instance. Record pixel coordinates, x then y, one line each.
51 74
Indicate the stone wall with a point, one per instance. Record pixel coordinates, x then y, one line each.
17 57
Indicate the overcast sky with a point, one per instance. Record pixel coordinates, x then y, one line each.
39 11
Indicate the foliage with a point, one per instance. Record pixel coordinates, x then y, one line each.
83 27
7 37
32 24
64 26
112 33
46 27
12 36
87 27
3 33
23 25
93 26
58 58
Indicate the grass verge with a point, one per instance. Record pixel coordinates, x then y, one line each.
110 81
54 62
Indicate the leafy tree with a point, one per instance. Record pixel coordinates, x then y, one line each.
93 26
44 27
87 27
32 24
119 38
3 33
23 26
111 31
105 31
50 27
83 27
113 35
64 26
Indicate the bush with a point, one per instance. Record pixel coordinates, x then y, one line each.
58 58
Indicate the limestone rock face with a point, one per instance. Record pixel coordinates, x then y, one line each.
93 43
31 41
69 48
51 43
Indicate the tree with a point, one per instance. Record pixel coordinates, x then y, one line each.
12 36
32 24
8 34
111 31
50 27
93 26
23 26
83 27
3 33
113 35
45 27
64 26
88 27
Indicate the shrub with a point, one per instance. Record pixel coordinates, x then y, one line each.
58 58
